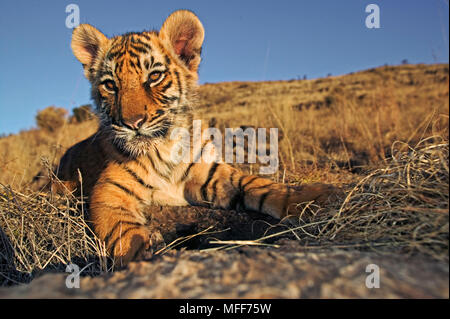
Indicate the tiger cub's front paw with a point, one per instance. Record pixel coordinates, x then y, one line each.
142 244
130 245
155 244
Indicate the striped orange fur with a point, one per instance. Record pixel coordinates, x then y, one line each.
144 86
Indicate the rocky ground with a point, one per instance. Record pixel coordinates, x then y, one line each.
289 271
289 268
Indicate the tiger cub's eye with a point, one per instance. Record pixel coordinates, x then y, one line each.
154 76
109 85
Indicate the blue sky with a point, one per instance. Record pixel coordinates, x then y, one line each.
246 40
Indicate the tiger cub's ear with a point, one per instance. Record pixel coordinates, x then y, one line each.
183 32
87 42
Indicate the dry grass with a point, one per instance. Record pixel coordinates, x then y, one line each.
21 155
41 231
340 130
347 121
404 204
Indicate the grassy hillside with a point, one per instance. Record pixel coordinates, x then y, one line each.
349 119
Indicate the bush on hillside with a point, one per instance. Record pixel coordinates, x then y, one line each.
51 118
82 113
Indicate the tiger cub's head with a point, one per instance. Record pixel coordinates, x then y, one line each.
142 82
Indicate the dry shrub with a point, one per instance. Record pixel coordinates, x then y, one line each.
404 205
40 232
82 113
51 118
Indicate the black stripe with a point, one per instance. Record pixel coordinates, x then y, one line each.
164 99
159 113
262 200
250 181
137 178
133 54
157 121
211 172
167 86
151 162
114 55
133 39
167 164
123 211
186 172
122 235
170 98
126 190
116 47
145 35
154 168
260 187
180 90
197 157
240 182
141 165
119 67
158 155
125 40
231 177
138 63
132 65
214 191
116 225
141 47
167 59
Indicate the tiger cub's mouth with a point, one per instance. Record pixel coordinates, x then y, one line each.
138 141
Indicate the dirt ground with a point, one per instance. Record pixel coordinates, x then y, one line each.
292 269
252 272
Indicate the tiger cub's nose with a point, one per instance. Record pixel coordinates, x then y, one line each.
135 122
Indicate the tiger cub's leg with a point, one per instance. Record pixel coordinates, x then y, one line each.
116 206
223 186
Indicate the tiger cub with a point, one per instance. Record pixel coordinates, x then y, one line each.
144 86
